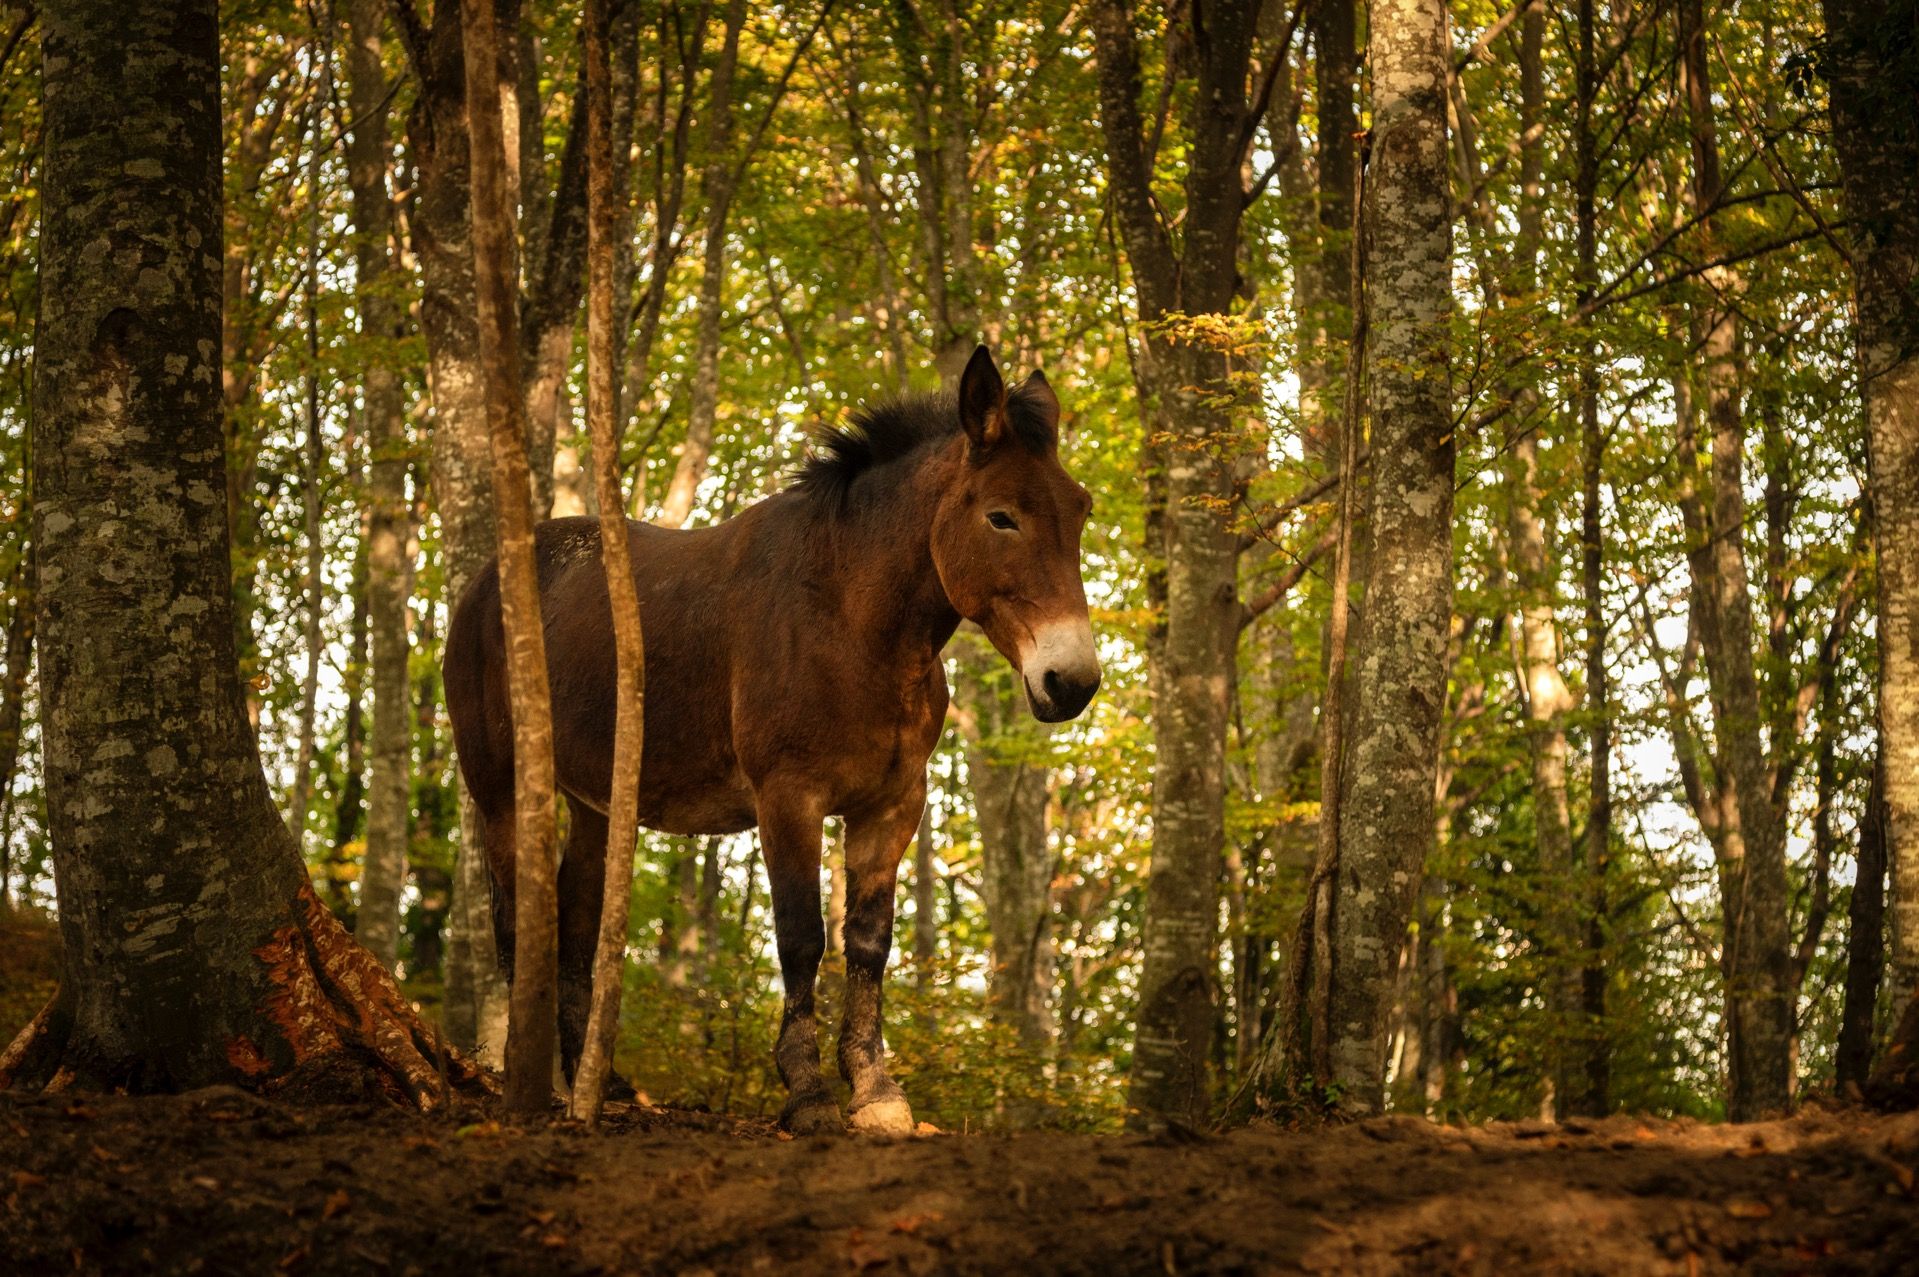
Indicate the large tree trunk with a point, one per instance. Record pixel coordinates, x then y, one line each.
461 461
195 950
1872 84
383 322
1747 829
1386 797
1189 403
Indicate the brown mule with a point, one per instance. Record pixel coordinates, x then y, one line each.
793 673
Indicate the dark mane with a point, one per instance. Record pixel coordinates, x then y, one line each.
881 434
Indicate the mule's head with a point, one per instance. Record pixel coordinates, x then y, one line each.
1006 539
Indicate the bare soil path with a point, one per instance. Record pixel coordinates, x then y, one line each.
221 1182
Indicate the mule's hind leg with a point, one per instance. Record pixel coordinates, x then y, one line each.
497 839
582 894
874 843
790 822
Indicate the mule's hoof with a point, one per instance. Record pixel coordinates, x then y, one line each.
813 1115
884 1117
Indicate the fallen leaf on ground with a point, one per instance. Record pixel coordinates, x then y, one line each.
1749 1210
337 1203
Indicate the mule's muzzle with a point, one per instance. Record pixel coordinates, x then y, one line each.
1062 696
1062 672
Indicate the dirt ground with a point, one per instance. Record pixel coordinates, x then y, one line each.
221 1182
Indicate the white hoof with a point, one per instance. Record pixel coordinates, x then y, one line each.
884 1117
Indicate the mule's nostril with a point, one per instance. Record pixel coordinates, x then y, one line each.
1066 695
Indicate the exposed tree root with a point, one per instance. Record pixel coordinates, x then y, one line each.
331 1025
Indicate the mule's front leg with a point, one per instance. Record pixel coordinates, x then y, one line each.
790 839
874 844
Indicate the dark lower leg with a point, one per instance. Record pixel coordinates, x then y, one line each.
497 838
869 940
582 888
802 942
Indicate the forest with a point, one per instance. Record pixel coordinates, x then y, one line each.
1452 806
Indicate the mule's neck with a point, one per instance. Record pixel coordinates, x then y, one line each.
882 547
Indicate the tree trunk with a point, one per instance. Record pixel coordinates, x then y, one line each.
13 696
195 950
1386 798
1598 851
926 935
383 323
312 469
717 188
1010 796
533 1024
461 461
1189 403
629 652
350 799
1865 945
1872 82
1750 840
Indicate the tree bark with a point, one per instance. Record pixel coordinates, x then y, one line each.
461 461
1189 402
629 651
1010 795
312 468
1386 801
1592 547
1747 829
1874 81
383 324
533 1024
717 189
195 950
13 696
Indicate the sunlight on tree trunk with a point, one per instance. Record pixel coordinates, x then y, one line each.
629 651
1385 805
533 1027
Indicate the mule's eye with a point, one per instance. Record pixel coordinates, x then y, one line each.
1003 521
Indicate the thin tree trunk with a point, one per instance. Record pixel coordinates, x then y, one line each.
389 563
195 950
1751 842
533 1024
717 189
13 696
1865 944
1598 850
461 462
1386 806
312 471
926 936
1016 873
629 651
350 800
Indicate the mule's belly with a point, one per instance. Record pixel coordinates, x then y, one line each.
683 790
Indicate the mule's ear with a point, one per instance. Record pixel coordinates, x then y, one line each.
982 400
1038 392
